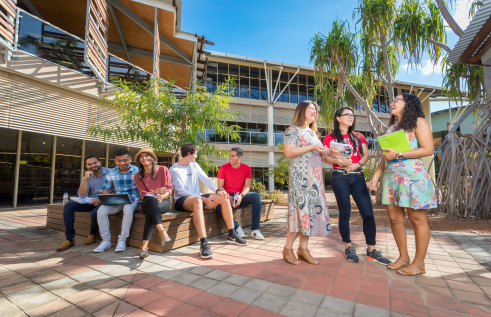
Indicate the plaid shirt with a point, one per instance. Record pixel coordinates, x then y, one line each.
122 183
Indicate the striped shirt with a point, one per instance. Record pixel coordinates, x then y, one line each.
122 183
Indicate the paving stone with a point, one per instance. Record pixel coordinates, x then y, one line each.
203 283
8 309
185 278
285 292
337 304
37 301
168 273
322 312
26 294
296 309
310 298
270 302
218 275
257 284
223 289
64 286
369 311
200 270
245 295
237 279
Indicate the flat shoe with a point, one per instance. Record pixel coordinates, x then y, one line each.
409 273
397 267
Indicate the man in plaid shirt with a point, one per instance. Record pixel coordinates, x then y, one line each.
120 180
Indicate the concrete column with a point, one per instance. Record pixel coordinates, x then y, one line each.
53 167
106 165
17 168
426 109
271 143
271 179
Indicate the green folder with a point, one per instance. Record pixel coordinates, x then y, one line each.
396 141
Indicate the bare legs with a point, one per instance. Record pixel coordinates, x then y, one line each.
303 241
421 233
162 233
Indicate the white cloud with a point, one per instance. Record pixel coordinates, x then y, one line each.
425 69
461 13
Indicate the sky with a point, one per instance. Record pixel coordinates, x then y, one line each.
281 30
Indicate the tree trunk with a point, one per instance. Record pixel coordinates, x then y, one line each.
448 17
388 75
487 83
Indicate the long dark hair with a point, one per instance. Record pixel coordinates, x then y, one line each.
355 140
412 111
155 167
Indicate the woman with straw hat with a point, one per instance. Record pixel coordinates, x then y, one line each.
154 184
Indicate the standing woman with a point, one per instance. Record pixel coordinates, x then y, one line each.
307 214
348 178
154 184
406 183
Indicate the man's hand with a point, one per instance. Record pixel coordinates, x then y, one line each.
209 204
239 199
88 174
96 202
223 193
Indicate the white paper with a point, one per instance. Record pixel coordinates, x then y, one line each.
80 200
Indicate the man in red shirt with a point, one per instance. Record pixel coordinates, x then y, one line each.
235 178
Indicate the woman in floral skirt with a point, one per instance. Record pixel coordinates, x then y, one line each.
307 214
406 183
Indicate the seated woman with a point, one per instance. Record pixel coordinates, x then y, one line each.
154 184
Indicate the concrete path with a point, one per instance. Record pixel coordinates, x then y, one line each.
35 280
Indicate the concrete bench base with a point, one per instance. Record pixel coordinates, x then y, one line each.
179 225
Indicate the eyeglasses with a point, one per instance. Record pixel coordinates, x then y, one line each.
349 115
398 99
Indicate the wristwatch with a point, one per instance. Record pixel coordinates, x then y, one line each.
399 156
361 165
216 191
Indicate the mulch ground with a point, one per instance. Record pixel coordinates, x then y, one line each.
437 222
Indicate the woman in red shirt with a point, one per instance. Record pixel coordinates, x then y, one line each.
348 178
154 184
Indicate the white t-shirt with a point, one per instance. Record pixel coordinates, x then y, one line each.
185 180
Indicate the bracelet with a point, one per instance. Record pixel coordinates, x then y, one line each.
216 191
361 165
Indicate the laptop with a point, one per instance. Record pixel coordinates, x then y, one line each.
114 199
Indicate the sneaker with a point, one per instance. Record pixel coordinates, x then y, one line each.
121 246
205 251
376 256
237 240
350 254
102 247
240 233
257 234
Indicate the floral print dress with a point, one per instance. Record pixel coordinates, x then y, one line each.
407 183
307 212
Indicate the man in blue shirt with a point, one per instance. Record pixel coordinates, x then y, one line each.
92 181
121 180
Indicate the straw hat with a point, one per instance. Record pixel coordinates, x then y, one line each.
145 150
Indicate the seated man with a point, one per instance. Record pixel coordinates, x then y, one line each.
93 181
185 176
120 180
235 178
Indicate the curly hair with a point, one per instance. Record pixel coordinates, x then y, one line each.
412 111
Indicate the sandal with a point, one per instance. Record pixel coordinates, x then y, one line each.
144 253
409 273
397 267
289 256
304 254
163 240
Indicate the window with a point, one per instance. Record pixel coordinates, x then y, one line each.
283 82
244 82
254 74
302 86
211 81
8 152
234 74
222 73
96 148
275 82
67 167
264 87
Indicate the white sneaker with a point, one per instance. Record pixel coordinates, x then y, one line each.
240 232
257 234
121 246
102 247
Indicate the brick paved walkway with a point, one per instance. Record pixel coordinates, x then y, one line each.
35 280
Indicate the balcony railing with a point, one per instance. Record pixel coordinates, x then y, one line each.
245 137
46 41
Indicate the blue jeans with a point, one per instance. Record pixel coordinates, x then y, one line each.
343 185
249 199
69 218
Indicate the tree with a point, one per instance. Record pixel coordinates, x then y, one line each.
281 174
164 121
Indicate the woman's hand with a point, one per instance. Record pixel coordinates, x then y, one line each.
161 190
390 155
344 161
374 181
352 167
321 149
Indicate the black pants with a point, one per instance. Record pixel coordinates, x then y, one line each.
69 218
153 211
354 184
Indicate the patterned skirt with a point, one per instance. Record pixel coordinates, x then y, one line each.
408 184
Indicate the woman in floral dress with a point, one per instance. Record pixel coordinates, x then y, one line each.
307 214
406 183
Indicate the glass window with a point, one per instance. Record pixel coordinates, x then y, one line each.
264 88
293 93
67 167
254 83
275 82
252 127
211 81
262 127
222 72
96 148
375 104
119 68
234 74
8 152
244 82
112 150
283 82
35 168
133 151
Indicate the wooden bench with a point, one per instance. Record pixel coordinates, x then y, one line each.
179 225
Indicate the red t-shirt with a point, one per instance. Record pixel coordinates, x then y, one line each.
356 157
234 177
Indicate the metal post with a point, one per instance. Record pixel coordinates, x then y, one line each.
17 168
277 82
270 125
82 161
107 155
271 179
53 166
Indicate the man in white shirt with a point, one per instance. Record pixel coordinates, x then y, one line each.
185 176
